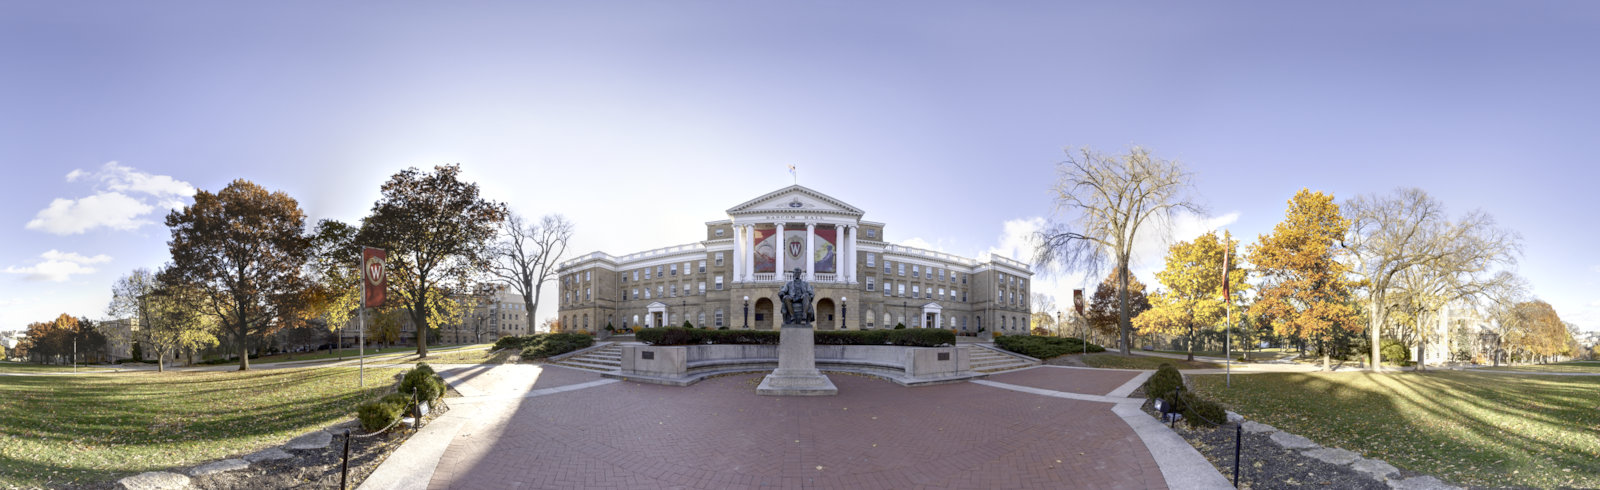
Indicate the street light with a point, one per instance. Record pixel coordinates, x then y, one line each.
844 313
746 312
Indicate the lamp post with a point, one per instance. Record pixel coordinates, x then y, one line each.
746 312
844 313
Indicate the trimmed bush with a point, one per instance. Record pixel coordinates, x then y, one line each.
1043 347
915 337
381 413
555 344
422 380
1163 382
922 337
900 326
1199 412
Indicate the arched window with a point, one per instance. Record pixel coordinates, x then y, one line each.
887 320
702 321
719 318
585 322
636 320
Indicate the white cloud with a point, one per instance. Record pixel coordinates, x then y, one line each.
58 266
1596 303
109 209
120 200
922 244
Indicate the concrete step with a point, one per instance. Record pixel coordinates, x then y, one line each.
590 367
591 362
1002 367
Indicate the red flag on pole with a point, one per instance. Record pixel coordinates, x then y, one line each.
373 279
1077 300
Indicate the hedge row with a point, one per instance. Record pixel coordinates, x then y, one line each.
542 345
1167 385
426 385
1043 347
915 337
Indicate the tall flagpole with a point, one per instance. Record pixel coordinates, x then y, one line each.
361 332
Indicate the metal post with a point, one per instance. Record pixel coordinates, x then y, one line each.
1238 433
345 475
1174 423
361 340
1227 348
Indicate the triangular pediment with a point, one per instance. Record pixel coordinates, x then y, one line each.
796 198
656 304
932 307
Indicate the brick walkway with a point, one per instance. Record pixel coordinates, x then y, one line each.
720 434
1085 381
507 379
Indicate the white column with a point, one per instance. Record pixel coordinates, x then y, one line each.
850 246
738 254
779 251
749 257
810 255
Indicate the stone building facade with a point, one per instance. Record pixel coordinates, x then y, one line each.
731 278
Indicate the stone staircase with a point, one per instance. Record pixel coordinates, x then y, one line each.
989 361
605 359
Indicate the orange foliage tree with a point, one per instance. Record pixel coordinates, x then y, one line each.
1305 290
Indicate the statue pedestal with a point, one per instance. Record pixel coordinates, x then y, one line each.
797 373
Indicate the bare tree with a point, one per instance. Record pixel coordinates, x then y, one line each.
527 255
1408 229
1117 199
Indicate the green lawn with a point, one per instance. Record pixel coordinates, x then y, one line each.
1470 428
1255 355
349 353
1111 360
102 427
460 356
20 367
1560 367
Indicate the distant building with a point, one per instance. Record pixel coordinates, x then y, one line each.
731 279
120 335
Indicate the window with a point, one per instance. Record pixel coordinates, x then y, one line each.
587 276
963 324
636 320
674 269
870 318
565 298
646 293
941 274
902 269
719 318
586 293
915 271
659 271
702 267
647 273
871 233
702 288
941 294
719 231
661 291
635 293
674 290
869 284
719 259
963 296
870 262
914 292
702 321
719 283
887 319
886 287
636 275
887 268
902 290
963 278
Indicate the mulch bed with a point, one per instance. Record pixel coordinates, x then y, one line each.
310 469
1266 465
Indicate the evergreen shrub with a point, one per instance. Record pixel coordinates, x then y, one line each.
1044 347
422 380
381 413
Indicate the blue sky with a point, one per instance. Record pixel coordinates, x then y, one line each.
642 120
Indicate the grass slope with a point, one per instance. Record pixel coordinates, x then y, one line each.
1563 367
102 427
1472 428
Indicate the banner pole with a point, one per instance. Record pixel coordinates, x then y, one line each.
361 333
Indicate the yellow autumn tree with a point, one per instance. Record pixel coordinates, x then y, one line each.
1192 294
1306 290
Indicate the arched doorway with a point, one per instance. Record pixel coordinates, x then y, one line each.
826 315
763 315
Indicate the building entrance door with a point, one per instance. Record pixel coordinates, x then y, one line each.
655 320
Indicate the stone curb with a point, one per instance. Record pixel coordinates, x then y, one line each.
1374 468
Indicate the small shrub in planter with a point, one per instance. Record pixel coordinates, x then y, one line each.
427 385
381 413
